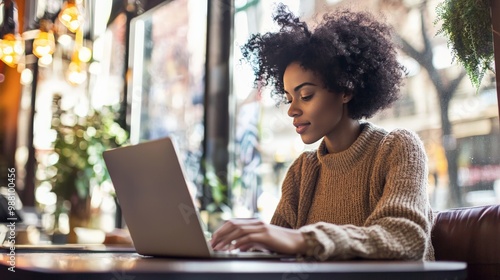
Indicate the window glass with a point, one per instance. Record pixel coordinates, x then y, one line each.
460 136
167 78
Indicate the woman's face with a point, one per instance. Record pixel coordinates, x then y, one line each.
316 112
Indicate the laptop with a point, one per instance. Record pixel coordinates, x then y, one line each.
156 203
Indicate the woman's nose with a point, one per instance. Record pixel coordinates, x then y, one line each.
293 110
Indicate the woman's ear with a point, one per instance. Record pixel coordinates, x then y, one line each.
346 97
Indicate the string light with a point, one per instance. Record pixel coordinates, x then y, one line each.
12 49
11 45
70 16
44 43
84 54
76 73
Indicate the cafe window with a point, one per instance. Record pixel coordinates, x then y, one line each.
266 144
167 79
478 168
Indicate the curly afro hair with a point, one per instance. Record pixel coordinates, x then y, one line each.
351 51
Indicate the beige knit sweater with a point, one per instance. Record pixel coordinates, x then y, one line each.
369 201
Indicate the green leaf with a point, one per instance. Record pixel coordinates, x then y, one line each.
467 26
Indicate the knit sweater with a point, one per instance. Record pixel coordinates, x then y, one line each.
369 201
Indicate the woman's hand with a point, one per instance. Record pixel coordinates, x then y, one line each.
244 234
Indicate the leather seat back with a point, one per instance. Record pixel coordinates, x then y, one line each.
472 235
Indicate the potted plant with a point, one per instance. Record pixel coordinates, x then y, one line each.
467 26
78 146
218 209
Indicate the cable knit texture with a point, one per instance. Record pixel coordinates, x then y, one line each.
369 201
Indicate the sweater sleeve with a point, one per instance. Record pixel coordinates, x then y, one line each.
285 214
399 226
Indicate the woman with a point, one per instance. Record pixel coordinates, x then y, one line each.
362 194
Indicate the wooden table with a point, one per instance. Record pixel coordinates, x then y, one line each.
131 266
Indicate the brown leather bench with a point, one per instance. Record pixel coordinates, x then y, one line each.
471 235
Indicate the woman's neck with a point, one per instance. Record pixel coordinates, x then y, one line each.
347 132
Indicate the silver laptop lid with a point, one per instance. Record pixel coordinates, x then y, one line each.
155 200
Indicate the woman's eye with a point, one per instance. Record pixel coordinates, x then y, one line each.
287 101
307 97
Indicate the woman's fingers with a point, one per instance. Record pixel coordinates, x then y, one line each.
245 234
275 239
254 239
235 232
230 226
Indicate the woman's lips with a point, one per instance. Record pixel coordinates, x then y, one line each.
301 128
